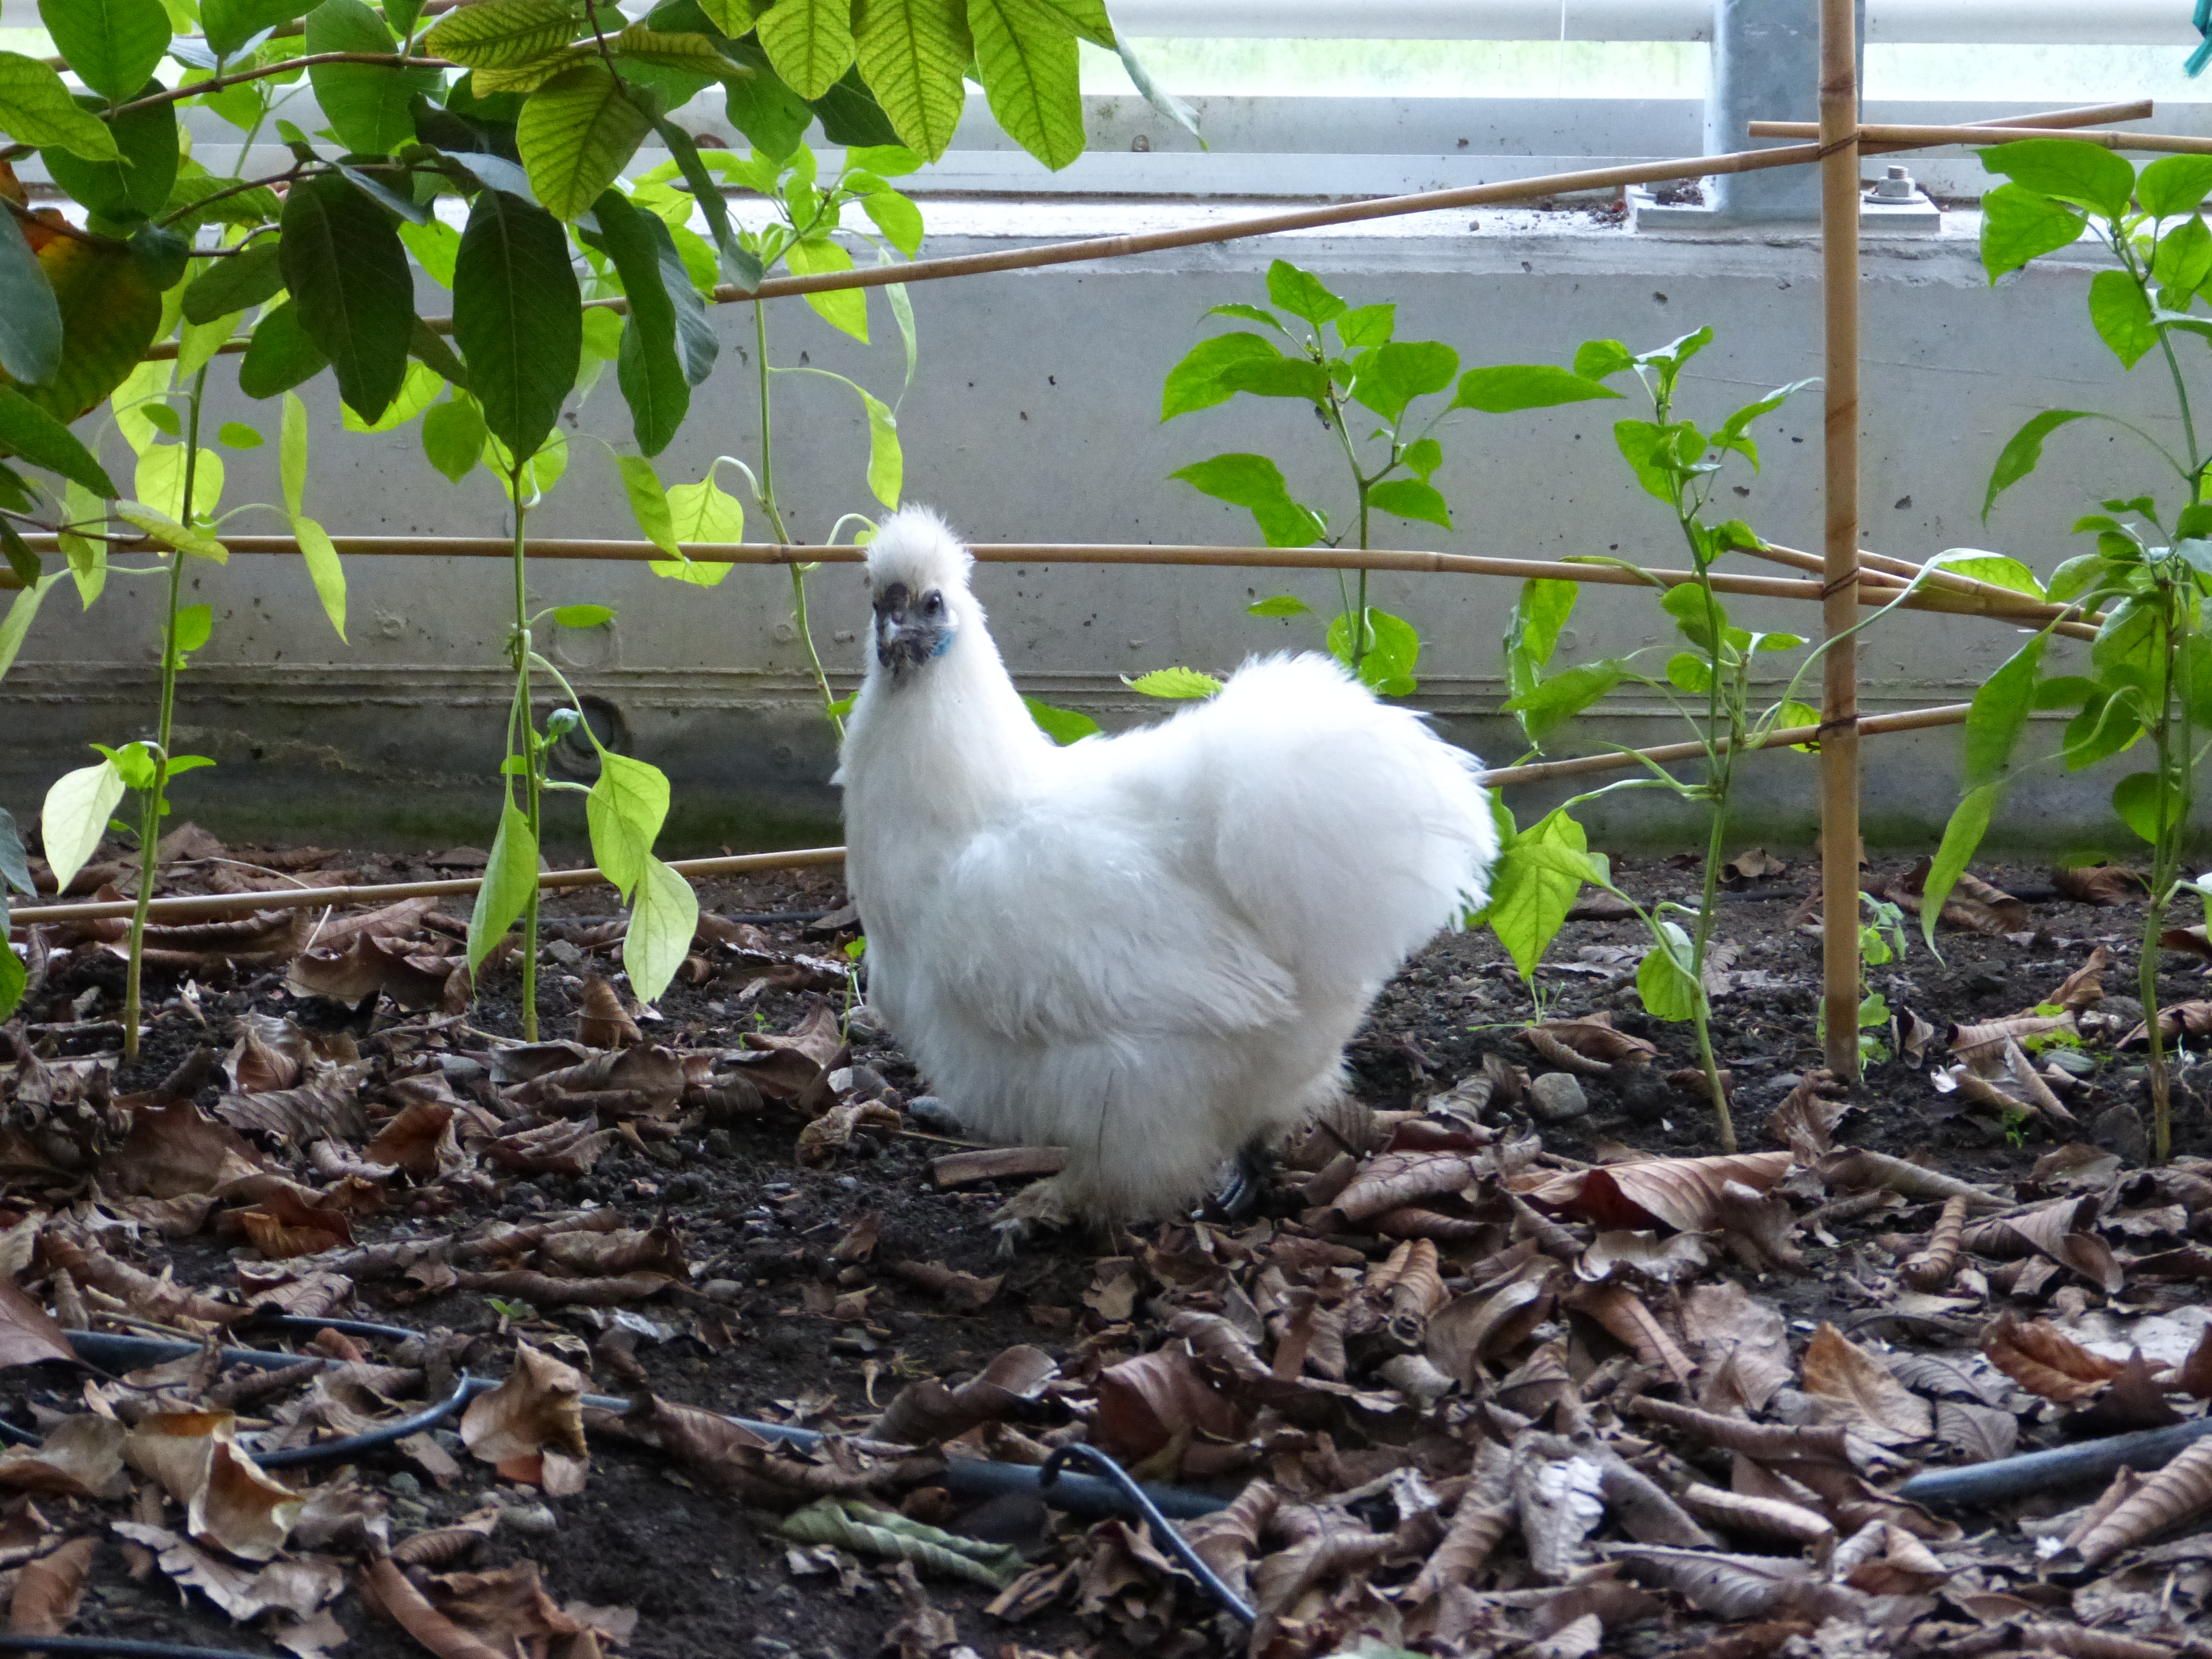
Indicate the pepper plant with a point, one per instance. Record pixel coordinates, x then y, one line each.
1362 382
2149 672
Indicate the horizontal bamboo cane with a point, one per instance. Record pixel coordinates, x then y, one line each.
1894 137
1880 580
207 907
2083 115
1911 720
212 906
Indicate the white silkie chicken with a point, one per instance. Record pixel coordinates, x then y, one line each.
1152 948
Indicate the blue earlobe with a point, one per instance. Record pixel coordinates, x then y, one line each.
943 643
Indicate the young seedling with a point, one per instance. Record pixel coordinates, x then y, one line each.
2149 672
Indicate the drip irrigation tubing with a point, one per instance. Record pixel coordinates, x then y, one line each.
1980 1484
1085 1495
117 1647
1055 1466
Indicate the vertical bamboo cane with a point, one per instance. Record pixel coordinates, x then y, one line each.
1839 737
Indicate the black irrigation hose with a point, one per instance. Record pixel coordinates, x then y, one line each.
1232 1603
966 1477
120 1647
1976 1483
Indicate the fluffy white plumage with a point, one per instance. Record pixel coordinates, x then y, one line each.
1150 948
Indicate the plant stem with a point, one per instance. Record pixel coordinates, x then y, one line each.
767 495
149 820
532 751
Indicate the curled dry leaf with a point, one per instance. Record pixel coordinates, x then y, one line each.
1883 1560
1565 1056
2180 1019
82 1457
2045 1360
532 1426
2085 986
1855 1168
831 1132
418 1139
1593 1037
2180 1492
1740 1587
370 965
1930 1269
1859 1391
2060 1231
1682 1192
48 1589
1145 1403
2097 883
1401 1178
1557 1503
229 1500
601 1020
1681 1256
1744 1515
386 1589
173 1151
28 1333
1724 1323
925 1410
964 1291
1806 1120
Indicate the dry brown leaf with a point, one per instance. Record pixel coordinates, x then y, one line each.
1861 1392
1738 1587
2194 1375
419 1138
386 1590
1723 1322
1883 1560
1981 1433
1682 1192
2045 1360
1806 1120
1593 1037
2085 986
1930 1269
2097 883
532 1426
831 1132
1395 1179
229 1500
28 1333
329 1108
2060 1231
632 1250
962 1290
1744 1515
1755 864
601 1020
297 1588
2175 1021
2180 1492
1145 1403
172 1151
1468 1329
49 1588
370 965
1681 1256
1856 1168
82 1457
1557 1503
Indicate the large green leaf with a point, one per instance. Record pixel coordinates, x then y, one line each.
29 431
230 286
37 109
1538 875
281 356
1256 483
809 42
2019 225
576 132
347 272
646 366
510 879
2068 170
1028 60
135 184
114 46
1999 712
1063 726
1198 382
624 812
1177 684
1411 498
516 318
2142 798
229 24
2121 312
368 105
2023 451
913 53
769 114
75 816
1504 388
1300 293
1392 648
454 436
503 33
2184 259
1670 991
845 309
1970 821
1388 377
2174 186
1552 702
30 316
663 916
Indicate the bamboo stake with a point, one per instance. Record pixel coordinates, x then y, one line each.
211 906
1894 137
1839 747
1910 720
1970 596
2081 115
203 907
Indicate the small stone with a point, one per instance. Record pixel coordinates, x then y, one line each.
933 1114
2120 1129
449 1440
718 1144
564 952
529 1519
405 1482
1557 1097
2072 1061
2125 1010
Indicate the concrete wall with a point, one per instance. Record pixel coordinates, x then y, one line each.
1034 418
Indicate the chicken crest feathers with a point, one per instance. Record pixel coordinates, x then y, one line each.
916 546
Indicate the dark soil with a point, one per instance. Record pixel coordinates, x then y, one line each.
703 1572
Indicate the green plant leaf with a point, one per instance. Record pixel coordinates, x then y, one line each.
136 183
664 917
160 481
1063 726
367 105
1694 612
1670 991
576 132
110 311
2121 312
649 505
768 113
37 109
1199 380
230 286
87 555
845 309
1538 874
510 879
75 817
2023 451
1364 325
1254 314
2174 185
1970 821
516 318
1505 388
1182 684
114 46
1394 646
229 24
1998 569
15 977
1687 671
1532 635
1388 377
454 436
705 513
624 813
1281 605
897 217
2018 225
346 273
30 316
2183 258
646 366
2068 170
809 42
22 610
912 53
501 34
886 456
1028 59
1302 293
2138 798
280 356
1409 498
168 531
1277 377
1999 712
15 865
323 569
28 431
1557 699
418 389
584 616
1255 482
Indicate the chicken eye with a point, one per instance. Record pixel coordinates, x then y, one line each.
934 605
